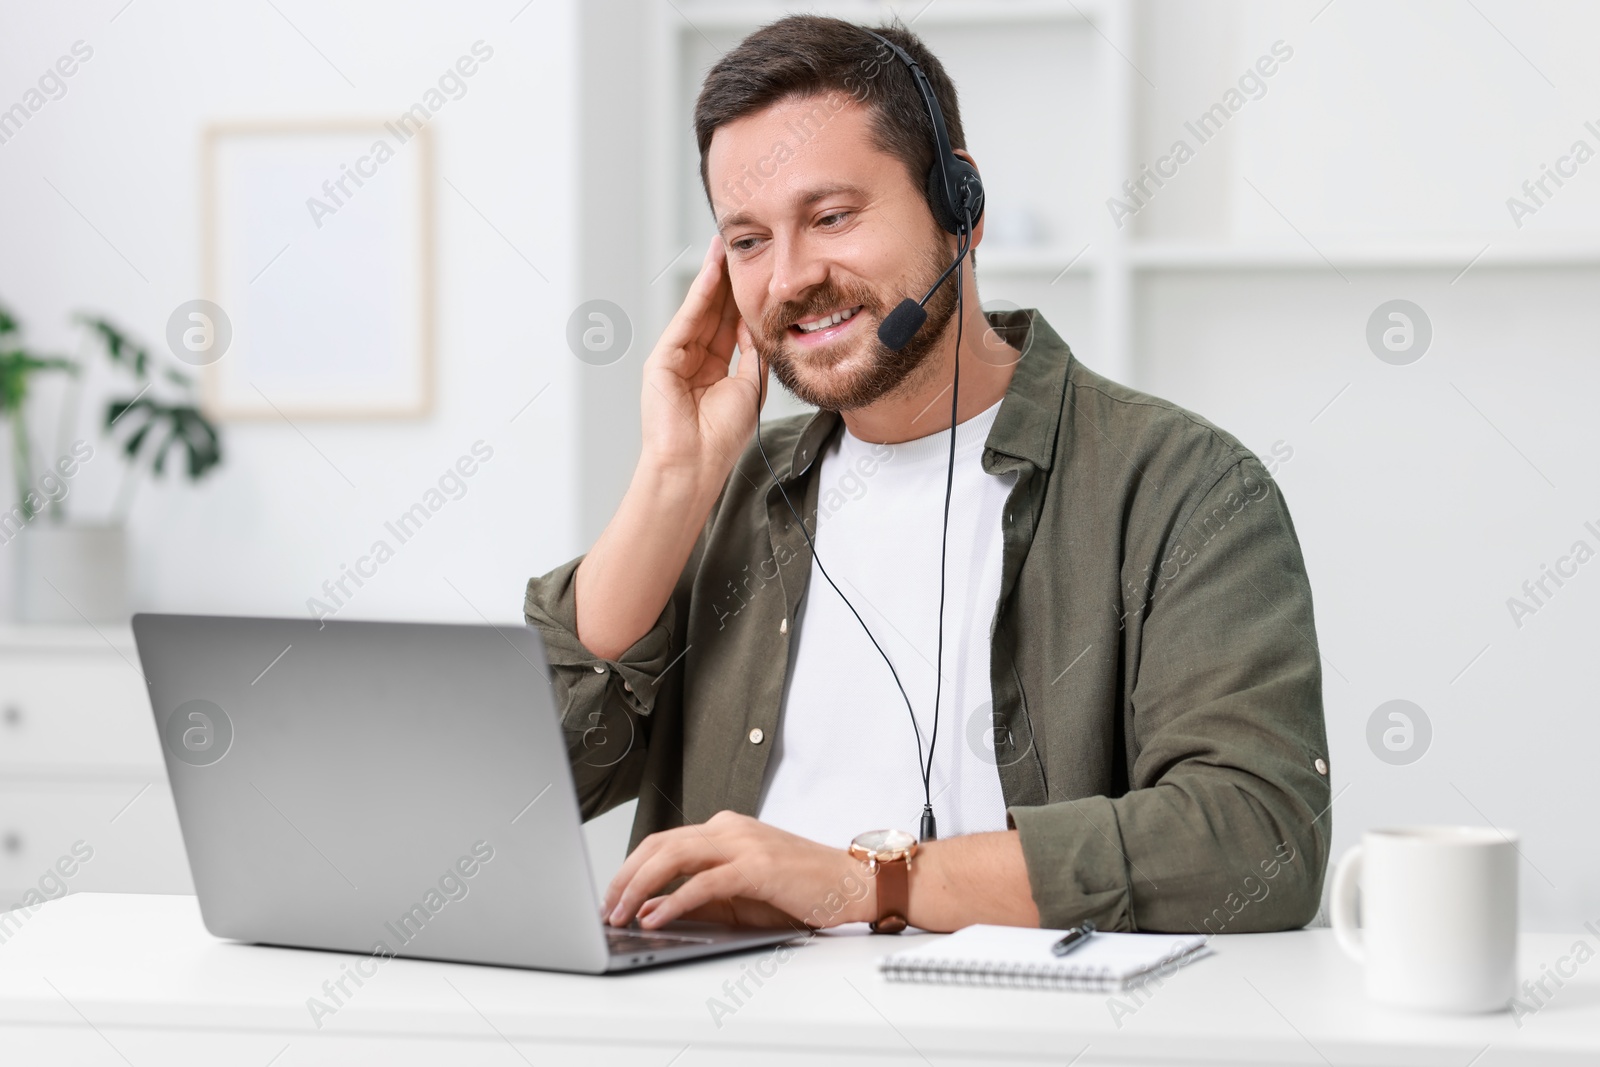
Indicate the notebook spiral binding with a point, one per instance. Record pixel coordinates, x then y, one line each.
1012 976
1050 974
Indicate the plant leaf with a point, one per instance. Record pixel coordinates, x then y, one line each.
173 437
201 440
17 368
116 409
131 447
121 348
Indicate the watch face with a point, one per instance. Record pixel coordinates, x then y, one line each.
885 843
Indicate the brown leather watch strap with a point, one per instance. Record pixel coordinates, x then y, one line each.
893 897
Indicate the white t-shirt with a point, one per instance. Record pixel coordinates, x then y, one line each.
845 758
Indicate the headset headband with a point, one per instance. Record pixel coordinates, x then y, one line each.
947 164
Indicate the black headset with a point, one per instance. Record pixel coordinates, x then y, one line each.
954 188
955 196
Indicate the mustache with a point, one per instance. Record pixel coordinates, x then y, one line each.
775 324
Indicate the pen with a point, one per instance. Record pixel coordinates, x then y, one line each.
1075 937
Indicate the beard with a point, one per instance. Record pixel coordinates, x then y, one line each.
821 377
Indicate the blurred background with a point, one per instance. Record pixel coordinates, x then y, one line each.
1362 236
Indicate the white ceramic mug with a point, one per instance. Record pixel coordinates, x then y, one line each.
1438 928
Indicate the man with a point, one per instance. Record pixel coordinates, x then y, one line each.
1129 716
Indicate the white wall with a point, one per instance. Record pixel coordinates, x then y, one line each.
263 533
1398 127
1425 495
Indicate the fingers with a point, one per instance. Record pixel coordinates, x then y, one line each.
751 367
687 851
733 911
697 317
716 355
722 340
647 850
713 884
630 866
721 305
713 271
723 912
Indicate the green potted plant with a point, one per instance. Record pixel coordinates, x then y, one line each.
18 368
69 570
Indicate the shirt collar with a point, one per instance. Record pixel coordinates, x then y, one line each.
1029 421
1029 417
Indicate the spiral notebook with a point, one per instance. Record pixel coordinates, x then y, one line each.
1021 957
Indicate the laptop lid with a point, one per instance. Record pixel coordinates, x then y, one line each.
374 787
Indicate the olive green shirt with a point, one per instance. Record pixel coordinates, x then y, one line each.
1158 723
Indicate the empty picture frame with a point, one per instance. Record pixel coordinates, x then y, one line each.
318 249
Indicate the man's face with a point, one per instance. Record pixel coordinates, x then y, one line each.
819 222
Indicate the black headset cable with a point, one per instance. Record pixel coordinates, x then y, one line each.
929 828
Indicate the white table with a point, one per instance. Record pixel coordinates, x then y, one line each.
113 979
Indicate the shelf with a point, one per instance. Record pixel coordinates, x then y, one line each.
721 15
1452 255
1049 262
65 638
71 777
1046 260
1002 259
1096 276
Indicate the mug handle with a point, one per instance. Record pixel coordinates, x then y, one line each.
1346 884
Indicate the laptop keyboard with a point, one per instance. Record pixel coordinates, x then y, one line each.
623 941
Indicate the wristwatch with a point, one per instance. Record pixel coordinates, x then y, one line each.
887 854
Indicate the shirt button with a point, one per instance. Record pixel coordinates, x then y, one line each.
756 736
599 668
1321 765
628 686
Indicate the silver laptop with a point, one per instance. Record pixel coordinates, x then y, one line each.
397 789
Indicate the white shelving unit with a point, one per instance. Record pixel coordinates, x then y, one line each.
1086 275
1071 278
1377 169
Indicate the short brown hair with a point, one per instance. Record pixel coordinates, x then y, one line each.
811 55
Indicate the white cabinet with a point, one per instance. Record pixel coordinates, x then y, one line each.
84 802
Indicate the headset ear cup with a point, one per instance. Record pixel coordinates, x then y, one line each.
965 178
942 213
974 188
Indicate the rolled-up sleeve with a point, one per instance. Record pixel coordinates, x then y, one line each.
604 704
1226 822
